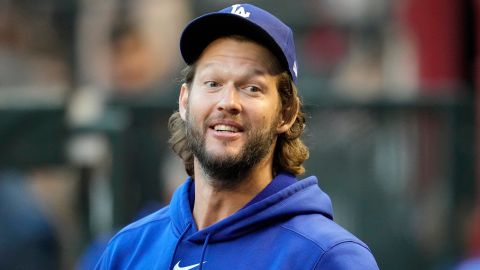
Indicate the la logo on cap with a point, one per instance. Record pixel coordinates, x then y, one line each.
240 11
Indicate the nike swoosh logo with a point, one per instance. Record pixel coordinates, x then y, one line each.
178 267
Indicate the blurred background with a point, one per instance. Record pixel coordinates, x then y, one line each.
389 87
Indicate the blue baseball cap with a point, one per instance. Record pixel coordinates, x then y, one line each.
240 19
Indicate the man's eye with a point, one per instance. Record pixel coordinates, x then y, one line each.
212 84
252 89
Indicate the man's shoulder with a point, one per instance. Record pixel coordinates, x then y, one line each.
135 239
155 220
322 231
339 249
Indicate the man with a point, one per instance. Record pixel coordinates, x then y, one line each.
237 131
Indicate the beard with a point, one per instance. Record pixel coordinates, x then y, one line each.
229 171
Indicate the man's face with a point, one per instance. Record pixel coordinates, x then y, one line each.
232 110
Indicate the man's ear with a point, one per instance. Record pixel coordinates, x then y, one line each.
287 120
183 101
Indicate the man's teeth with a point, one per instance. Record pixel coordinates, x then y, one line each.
225 128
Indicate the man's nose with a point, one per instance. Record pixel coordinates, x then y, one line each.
230 100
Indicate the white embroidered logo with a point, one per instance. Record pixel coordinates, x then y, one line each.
178 267
240 11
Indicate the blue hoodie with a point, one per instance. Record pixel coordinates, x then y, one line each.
291 229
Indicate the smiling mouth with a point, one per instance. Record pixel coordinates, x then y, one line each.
225 128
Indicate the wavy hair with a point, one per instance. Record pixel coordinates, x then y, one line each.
290 152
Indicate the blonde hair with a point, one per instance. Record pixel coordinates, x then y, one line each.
290 152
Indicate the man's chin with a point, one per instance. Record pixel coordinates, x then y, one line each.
223 153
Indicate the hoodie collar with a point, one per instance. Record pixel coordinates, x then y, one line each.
302 197
281 181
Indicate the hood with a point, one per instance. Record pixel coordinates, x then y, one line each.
302 198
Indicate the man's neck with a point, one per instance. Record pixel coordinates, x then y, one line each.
213 204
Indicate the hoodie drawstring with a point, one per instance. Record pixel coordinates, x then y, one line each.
203 251
178 243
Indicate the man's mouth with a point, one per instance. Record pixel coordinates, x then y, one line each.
225 128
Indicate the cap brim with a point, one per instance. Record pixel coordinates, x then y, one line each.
203 30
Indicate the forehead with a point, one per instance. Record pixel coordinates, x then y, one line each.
239 51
